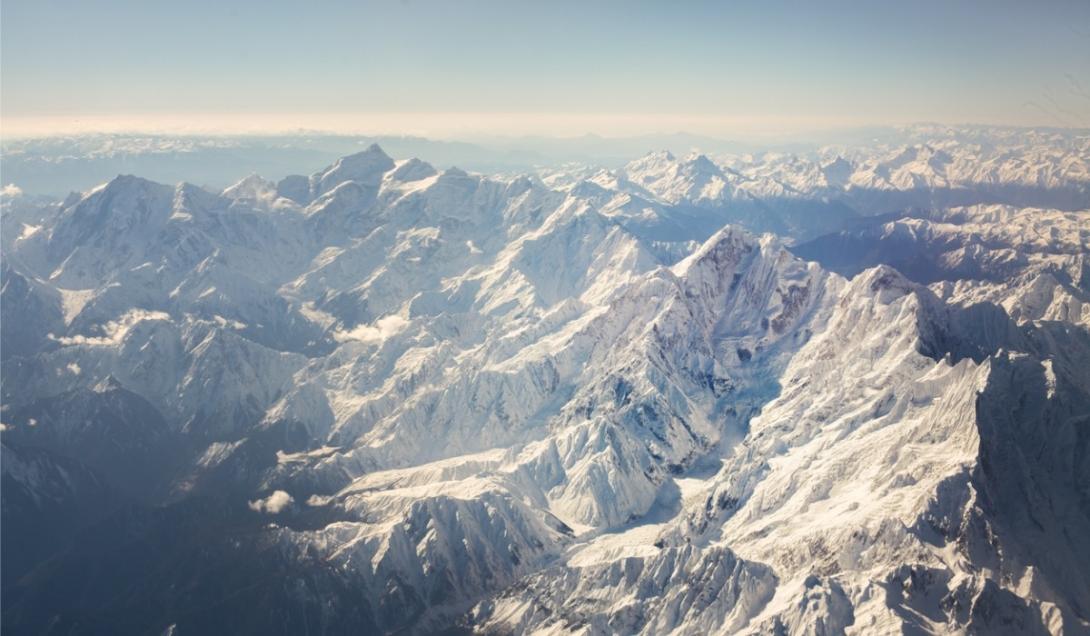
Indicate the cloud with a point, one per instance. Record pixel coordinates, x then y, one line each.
382 329
11 190
115 330
273 504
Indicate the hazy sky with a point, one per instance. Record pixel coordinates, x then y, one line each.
444 68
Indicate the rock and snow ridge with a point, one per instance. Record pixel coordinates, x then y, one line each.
566 406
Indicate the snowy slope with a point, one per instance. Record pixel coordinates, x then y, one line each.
692 395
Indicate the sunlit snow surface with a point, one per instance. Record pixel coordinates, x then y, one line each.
839 392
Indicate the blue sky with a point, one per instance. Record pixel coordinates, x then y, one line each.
556 67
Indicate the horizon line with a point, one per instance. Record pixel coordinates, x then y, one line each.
454 125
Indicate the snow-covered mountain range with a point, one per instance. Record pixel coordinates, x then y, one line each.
843 392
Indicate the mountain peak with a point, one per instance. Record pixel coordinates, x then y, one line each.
121 188
252 186
190 198
412 170
373 153
129 182
723 246
885 281
366 168
699 166
655 160
702 163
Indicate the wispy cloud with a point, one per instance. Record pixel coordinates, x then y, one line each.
114 332
273 504
382 329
